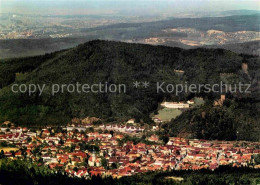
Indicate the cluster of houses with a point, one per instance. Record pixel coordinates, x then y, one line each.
114 127
86 154
122 128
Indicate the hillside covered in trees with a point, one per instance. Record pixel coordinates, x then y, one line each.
237 119
122 63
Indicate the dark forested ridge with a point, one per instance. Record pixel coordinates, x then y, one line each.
249 48
121 63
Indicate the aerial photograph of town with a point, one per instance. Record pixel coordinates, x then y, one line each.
129 92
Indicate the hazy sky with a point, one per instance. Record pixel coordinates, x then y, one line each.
123 6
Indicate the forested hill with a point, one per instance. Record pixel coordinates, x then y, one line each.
114 63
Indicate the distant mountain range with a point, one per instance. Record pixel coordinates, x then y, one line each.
223 32
229 13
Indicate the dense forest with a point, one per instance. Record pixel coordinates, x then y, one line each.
25 173
122 63
237 119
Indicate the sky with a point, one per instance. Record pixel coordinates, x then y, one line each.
134 7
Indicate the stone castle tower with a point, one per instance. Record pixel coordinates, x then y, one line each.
244 67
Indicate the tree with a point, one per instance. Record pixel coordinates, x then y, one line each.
256 159
72 148
61 142
3 144
104 162
111 132
91 129
29 139
165 139
99 131
2 154
114 166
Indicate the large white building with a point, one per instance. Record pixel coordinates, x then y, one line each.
175 105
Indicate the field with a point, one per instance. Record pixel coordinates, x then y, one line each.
166 114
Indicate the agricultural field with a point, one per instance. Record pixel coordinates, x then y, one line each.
167 114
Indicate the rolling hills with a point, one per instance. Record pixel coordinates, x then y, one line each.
233 29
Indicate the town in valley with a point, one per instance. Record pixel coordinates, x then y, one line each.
87 147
